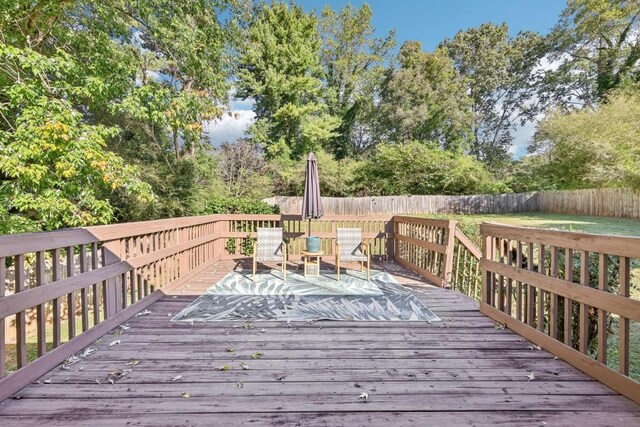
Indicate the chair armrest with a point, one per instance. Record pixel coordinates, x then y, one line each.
366 248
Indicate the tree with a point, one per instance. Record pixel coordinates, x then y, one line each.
354 65
594 147
279 68
425 100
596 48
242 170
55 170
419 168
498 76
150 75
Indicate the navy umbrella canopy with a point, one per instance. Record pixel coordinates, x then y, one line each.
311 200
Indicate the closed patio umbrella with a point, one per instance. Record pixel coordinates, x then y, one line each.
311 200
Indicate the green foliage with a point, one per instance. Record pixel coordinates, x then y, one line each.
280 69
222 205
354 65
55 166
597 49
594 148
425 100
336 176
497 72
430 170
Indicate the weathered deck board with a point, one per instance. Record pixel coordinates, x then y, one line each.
462 371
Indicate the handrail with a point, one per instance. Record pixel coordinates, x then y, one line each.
560 289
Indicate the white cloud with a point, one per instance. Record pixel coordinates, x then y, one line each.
230 127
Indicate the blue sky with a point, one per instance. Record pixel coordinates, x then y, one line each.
429 21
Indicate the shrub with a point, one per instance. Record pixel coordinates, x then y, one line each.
239 205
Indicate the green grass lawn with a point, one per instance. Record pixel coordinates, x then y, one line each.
470 225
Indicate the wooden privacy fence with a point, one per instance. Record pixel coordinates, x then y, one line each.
567 292
615 202
434 204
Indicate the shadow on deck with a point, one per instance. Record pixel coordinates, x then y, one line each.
461 371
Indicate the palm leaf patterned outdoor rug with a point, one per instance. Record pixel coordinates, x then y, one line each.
323 297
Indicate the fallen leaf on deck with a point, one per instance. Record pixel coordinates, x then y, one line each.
71 360
244 366
124 327
116 375
88 352
119 332
176 378
49 381
412 334
223 368
364 396
280 378
133 362
116 342
555 357
263 330
444 325
143 313
230 350
499 326
186 395
531 376
257 355
534 347
248 326
240 384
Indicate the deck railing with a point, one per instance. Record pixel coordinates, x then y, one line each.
240 231
67 288
568 293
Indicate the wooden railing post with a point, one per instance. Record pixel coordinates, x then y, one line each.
448 255
110 255
486 275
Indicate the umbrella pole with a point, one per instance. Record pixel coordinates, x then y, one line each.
309 235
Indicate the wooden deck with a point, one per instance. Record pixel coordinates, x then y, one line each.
462 371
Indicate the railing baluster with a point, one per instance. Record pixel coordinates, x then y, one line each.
71 299
21 332
541 293
41 313
83 291
584 314
603 324
530 288
95 291
568 303
553 303
623 343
